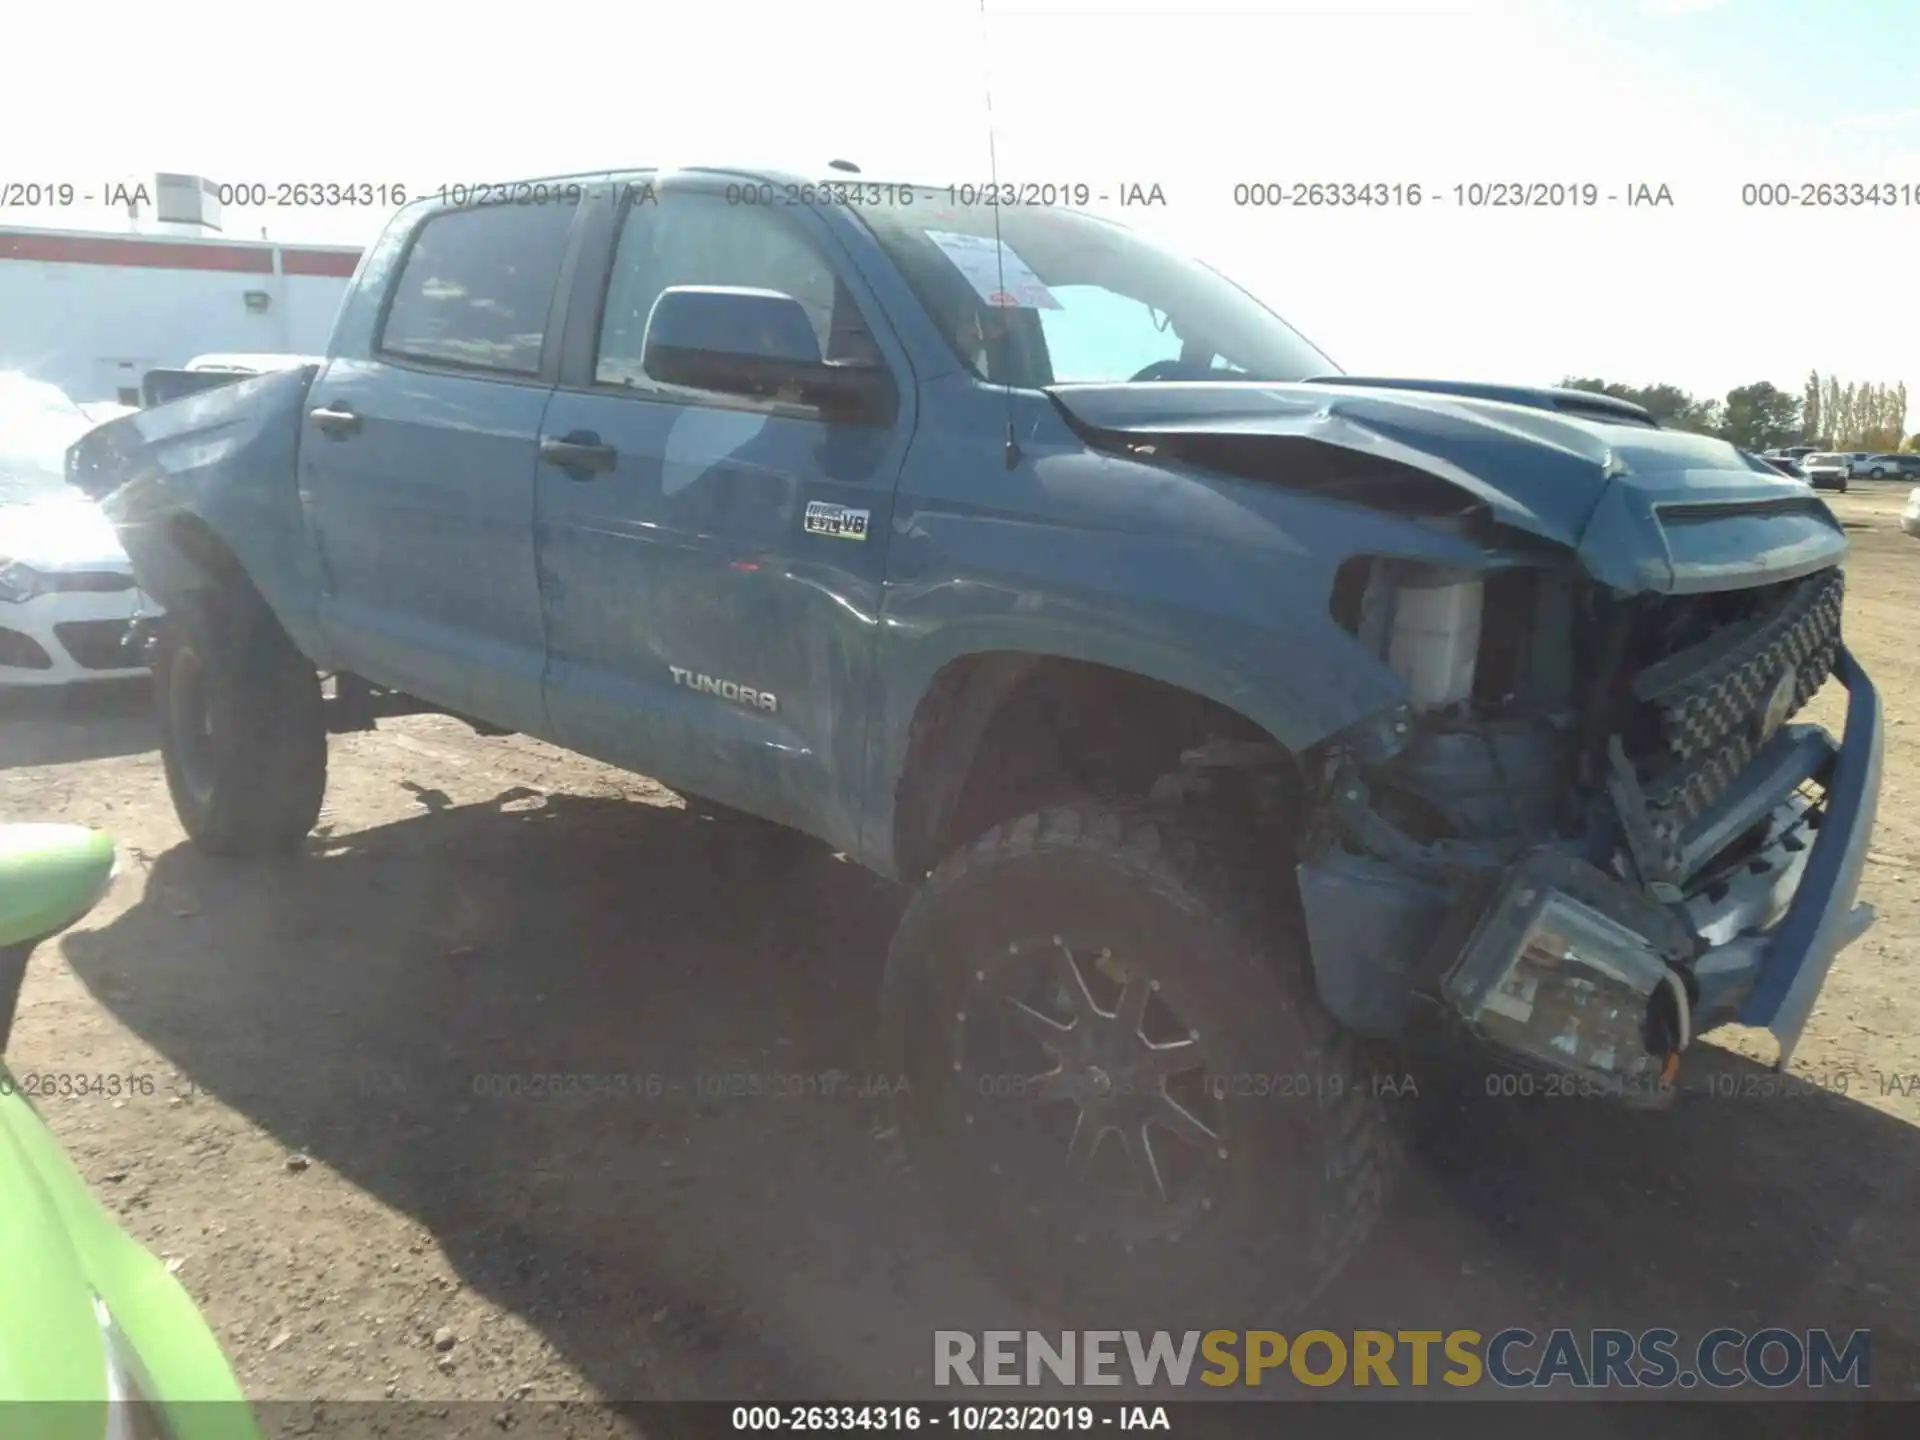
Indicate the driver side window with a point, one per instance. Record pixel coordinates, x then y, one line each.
1099 336
699 239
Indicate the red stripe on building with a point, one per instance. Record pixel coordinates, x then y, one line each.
170 254
319 262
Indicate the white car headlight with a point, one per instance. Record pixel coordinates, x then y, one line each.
132 1413
19 582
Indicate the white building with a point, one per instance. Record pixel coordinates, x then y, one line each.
92 311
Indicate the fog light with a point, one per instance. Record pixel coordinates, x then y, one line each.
1561 981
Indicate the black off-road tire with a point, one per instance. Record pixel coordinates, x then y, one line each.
250 779
1312 1143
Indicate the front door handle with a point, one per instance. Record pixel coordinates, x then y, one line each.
335 420
580 450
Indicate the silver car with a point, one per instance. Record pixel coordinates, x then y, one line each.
1892 465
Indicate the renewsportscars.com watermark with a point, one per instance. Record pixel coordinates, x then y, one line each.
1511 1359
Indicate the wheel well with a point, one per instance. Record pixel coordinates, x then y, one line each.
185 555
1000 734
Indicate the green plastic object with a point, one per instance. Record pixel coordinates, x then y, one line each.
50 876
92 1326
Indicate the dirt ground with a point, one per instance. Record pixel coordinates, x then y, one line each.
316 1134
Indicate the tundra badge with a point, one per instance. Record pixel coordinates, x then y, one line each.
824 518
725 689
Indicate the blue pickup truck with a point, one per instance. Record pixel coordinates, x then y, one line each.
1235 722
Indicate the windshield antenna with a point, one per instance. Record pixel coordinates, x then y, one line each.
999 248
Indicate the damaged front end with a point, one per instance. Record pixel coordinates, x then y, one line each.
1592 832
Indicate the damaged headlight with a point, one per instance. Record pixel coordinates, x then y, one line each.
1580 982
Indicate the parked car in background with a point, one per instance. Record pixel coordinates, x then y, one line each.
1827 470
67 592
208 372
1857 462
1795 452
1785 465
1882 467
261 364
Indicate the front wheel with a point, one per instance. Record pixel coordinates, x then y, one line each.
1121 1085
242 725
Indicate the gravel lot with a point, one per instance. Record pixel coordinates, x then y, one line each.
317 1131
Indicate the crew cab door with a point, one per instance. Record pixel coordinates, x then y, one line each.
417 465
698 629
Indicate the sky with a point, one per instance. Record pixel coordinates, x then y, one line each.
1700 96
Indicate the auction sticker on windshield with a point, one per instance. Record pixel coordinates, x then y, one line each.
997 274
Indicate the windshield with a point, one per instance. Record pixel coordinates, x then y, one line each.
1067 297
1826 459
37 424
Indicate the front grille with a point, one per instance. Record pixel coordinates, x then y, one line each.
96 644
1710 701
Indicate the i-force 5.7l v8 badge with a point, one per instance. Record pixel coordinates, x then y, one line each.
824 518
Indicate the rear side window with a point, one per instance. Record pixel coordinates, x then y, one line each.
476 288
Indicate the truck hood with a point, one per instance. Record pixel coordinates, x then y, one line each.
1646 509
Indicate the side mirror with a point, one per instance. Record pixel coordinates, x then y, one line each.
756 343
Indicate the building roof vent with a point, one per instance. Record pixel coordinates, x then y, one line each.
188 201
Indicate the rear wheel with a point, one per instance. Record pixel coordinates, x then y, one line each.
1121 1085
243 728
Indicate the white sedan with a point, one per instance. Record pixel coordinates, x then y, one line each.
67 593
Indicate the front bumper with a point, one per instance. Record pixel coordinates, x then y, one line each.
1753 943
66 637
1787 963
1582 988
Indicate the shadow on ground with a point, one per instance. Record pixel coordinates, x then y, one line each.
371 1002
56 726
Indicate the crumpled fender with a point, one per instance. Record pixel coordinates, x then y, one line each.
228 459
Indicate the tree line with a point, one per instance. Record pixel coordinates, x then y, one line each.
1827 412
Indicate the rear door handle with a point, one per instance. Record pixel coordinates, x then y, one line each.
578 450
335 420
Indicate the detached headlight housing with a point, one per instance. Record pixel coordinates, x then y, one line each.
1571 970
19 581
132 1412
